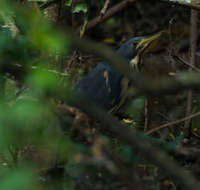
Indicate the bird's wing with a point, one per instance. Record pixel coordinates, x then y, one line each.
102 85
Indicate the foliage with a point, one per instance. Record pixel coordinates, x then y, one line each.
29 127
42 145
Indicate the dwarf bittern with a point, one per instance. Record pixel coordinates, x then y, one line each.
104 85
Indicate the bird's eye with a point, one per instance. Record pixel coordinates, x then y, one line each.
134 43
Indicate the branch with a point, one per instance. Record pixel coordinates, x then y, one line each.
172 123
110 12
105 7
134 139
180 59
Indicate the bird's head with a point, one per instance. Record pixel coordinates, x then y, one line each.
129 50
135 47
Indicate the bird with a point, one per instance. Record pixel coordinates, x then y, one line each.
104 85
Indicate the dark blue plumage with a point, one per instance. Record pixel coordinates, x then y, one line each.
103 84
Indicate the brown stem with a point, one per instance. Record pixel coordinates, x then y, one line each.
193 42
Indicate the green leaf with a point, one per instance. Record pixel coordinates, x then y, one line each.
45 38
68 3
40 33
80 7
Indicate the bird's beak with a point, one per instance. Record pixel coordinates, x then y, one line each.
150 43
141 47
135 62
145 45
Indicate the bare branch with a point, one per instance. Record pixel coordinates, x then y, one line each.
110 12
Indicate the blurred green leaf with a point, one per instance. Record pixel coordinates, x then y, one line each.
33 110
45 38
6 136
68 3
80 7
39 31
42 80
37 0
19 179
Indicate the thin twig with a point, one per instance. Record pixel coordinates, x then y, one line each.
186 63
172 123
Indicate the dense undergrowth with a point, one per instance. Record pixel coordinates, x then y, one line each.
48 143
